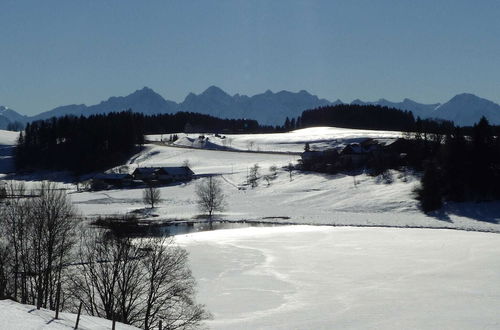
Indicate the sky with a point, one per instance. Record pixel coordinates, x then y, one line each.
71 52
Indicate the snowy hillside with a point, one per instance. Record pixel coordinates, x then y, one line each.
309 198
26 317
317 137
8 138
304 277
7 141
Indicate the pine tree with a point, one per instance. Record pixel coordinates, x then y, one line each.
429 193
287 124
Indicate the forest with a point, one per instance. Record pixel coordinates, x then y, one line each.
459 167
85 144
79 144
366 117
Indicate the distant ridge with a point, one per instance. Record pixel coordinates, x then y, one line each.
268 108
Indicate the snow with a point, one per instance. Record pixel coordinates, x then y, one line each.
310 198
294 141
309 277
18 316
314 277
7 140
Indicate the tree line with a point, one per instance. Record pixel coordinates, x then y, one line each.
365 117
457 163
191 122
79 144
85 144
459 167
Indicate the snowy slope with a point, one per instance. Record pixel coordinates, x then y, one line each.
304 277
317 137
7 141
8 138
26 317
310 198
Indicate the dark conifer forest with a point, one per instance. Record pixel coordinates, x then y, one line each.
368 117
85 144
460 167
79 144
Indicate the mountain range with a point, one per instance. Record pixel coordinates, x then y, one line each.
268 108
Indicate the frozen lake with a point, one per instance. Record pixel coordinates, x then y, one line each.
306 277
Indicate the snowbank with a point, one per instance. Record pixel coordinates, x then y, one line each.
18 316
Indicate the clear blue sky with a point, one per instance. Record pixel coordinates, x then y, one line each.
63 52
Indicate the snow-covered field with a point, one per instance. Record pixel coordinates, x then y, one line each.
310 198
310 277
15 316
317 137
322 277
7 140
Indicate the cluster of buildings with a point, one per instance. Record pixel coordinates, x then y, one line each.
366 153
141 175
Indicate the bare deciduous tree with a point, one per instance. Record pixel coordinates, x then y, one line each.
138 282
39 226
151 195
53 224
170 288
210 196
290 168
273 169
253 176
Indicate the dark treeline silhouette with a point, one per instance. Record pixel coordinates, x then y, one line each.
462 167
79 144
85 144
199 123
366 117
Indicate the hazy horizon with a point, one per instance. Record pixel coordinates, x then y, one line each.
58 52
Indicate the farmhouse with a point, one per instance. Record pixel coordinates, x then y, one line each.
174 174
145 173
112 179
163 174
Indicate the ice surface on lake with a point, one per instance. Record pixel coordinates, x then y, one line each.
303 277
